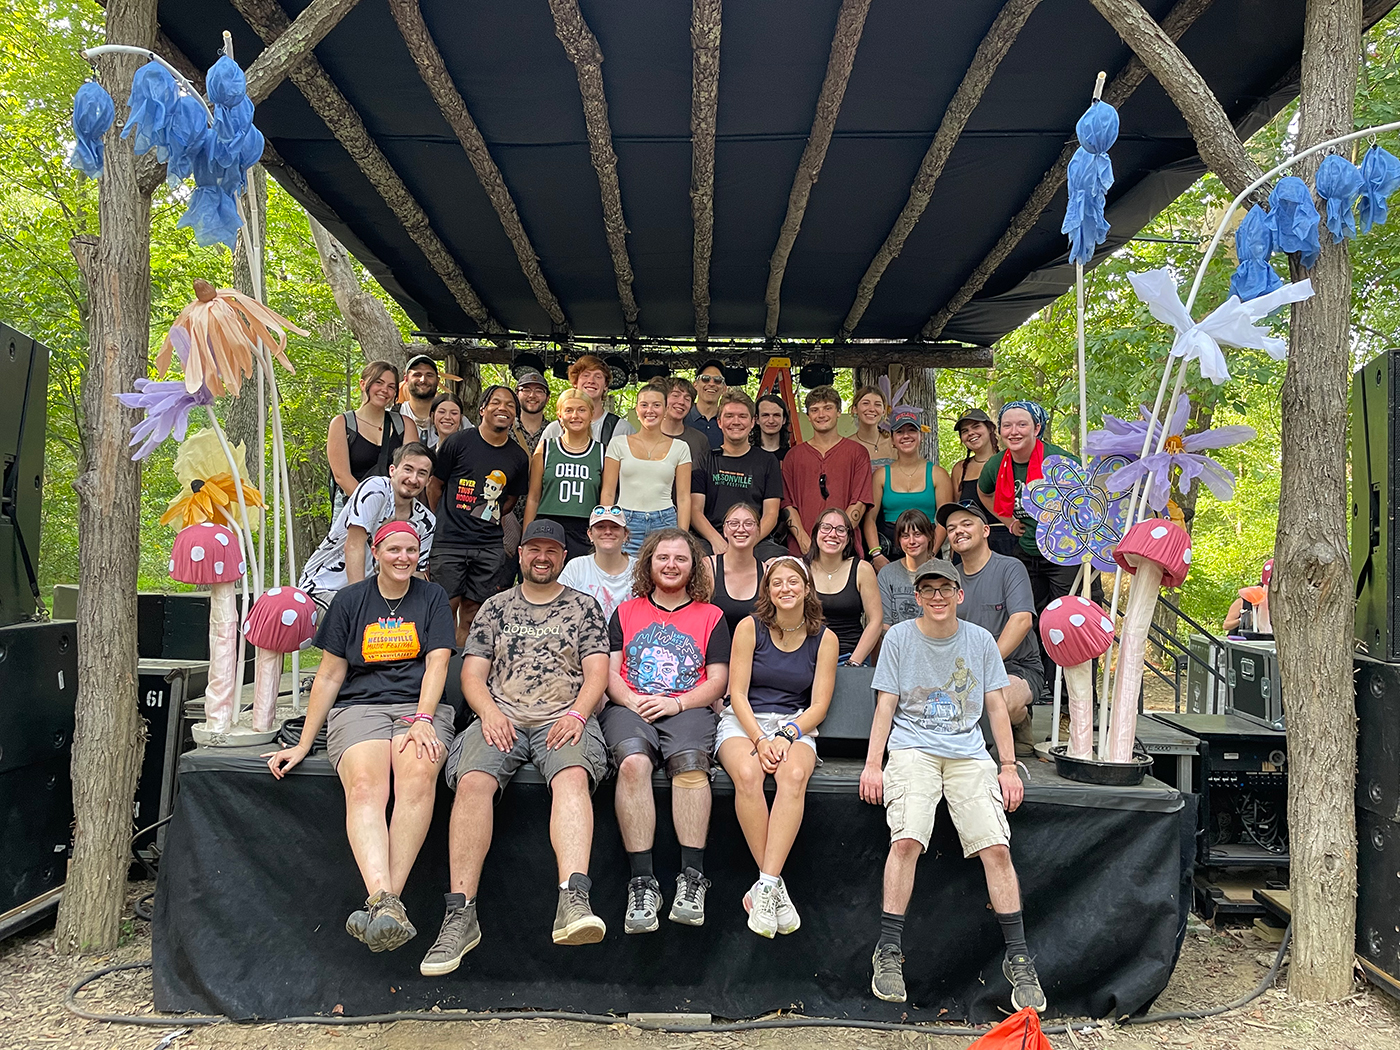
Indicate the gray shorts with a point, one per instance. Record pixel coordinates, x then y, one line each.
470 753
678 743
356 723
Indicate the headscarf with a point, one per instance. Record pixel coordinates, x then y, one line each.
1038 415
1004 501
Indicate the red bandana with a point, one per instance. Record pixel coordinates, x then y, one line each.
1004 502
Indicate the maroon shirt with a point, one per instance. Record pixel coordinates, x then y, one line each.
847 470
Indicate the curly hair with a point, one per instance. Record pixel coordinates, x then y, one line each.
766 613
697 588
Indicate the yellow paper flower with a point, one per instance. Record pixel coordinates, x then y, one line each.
207 492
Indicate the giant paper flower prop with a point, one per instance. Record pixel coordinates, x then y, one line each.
207 490
167 406
1181 451
1075 516
216 335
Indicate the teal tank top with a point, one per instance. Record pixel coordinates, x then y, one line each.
572 482
893 504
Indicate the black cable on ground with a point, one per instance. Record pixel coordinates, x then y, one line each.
70 1000
144 907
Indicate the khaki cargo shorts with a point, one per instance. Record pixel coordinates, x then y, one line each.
914 782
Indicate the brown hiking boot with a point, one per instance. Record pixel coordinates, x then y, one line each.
389 927
1024 736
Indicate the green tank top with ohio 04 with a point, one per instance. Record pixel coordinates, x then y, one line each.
572 481
987 483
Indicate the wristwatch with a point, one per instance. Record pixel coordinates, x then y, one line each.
787 734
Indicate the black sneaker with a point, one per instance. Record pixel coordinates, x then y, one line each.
643 903
574 921
888 982
688 907
389 927
460 933
1025 985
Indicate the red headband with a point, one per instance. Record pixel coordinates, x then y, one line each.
390 527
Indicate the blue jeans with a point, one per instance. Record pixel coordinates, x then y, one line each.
641 522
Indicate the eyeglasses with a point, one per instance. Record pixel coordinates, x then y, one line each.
709 379
825 529
947 591
822 482
740 524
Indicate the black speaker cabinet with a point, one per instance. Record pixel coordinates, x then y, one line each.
1378 737
1375 541
36 818
38 687
24 377
1378 892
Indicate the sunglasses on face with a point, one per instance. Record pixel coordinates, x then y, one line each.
709 379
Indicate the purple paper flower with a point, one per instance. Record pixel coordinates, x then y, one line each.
167 406
1179 451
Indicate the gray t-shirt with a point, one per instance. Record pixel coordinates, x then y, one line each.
582 574
940 683
992 594
897 593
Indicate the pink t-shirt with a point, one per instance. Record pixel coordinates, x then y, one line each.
847 470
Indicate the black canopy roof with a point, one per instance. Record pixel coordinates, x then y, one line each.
510 68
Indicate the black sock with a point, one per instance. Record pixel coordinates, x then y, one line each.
891 929
641 864
1013 932
693 857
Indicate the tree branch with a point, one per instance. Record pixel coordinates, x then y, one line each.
308 29
993 48
850 24
705 19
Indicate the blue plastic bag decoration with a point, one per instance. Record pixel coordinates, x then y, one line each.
1089 178
188 128
213 211
92 116
152 104
1295 220
1254 243
227 150
1339 183
1380 176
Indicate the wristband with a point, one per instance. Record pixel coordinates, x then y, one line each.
876 551
785 733
417 716
580 717
795 728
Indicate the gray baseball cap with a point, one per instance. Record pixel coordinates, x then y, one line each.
937 567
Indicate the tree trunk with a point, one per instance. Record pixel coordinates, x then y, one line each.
109 736
1312 602
368 318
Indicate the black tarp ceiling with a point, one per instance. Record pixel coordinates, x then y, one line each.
522 91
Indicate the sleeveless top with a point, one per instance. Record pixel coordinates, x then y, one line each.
843 611
782 681
893 504
572 480
734 609
365 455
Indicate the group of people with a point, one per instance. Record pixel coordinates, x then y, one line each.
687 592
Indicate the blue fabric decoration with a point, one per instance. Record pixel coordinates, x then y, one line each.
1380 176
152 104
1339 184
225 83
213 213
92 116
186 137
222 156
1254 243
1089 178
1295 220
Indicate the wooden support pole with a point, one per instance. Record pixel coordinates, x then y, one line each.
993 48
705 19
269 21
581 47
1179 19
431 67
850 24
307 30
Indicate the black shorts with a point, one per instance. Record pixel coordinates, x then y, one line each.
471 573
682 742
1034 674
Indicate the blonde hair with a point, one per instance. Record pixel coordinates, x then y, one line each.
573 393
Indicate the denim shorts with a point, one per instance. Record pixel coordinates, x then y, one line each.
640 522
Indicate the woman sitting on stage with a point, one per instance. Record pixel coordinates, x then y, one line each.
782 670
737 572
846 586
386 642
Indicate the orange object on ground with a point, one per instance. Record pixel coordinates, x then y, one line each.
1020 1031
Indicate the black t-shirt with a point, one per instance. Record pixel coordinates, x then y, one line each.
385 643
476 476
755 476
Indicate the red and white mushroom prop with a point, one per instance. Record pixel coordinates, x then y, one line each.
282 621
1158 554
1077 631
209 554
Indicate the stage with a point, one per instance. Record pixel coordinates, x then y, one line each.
257 879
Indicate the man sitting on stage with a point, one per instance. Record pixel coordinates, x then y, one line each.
933 677
535 666
669 663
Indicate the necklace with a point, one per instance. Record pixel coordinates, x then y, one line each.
651 451
564 441
393 606
789 630
377 426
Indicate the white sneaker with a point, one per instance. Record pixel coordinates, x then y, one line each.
763 920
788 919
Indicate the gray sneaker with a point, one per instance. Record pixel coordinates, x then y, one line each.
388 927
788 919
888 982
1025 985
643 903
574 921
763 917
688 907
460 933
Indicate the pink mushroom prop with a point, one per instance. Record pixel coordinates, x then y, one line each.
1076 631
1158 554
282 621
209 554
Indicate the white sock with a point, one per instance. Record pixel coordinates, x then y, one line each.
767 880
564 885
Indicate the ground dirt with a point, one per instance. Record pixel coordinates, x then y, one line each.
1215 967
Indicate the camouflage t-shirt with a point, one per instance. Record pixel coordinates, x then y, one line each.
536 651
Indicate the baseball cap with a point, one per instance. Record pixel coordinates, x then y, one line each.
972 415
936 567
971 506
418 359
530 377
616 515
545 529
904 417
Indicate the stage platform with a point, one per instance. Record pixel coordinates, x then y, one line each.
257 879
